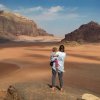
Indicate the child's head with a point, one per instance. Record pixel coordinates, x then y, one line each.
54 49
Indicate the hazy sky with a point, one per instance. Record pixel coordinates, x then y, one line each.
56 16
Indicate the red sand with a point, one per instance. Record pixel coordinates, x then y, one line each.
31 62
6 68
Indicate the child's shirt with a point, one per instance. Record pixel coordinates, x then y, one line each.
53 58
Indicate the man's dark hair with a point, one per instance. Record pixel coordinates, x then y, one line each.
62 48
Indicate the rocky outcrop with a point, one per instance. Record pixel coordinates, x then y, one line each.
13 94
12 24
4 40
87 96
42 32
85 33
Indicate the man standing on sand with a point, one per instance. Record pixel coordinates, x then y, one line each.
60 68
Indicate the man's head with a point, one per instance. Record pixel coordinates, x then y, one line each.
62 48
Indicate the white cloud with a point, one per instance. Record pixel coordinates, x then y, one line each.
39 13
55 9
28 10
2 7
40 10
50 13
56 13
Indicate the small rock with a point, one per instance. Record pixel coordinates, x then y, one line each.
89 97
12 94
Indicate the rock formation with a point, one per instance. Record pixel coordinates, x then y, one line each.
13 94
12 24
85 33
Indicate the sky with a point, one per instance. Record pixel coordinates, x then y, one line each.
57 17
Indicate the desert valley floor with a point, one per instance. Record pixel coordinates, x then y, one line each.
29 62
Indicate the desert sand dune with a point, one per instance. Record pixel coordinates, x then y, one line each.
6 68
27 62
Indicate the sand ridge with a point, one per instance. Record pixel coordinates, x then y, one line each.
82 66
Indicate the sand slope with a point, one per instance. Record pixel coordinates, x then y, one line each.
30 62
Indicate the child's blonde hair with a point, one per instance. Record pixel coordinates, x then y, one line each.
54 49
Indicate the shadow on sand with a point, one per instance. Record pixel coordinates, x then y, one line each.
83 75
86 57
26 44
50 86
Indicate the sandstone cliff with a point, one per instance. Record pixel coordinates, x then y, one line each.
12 24
85 33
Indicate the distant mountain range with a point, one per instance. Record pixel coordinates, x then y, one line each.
89 32
13 24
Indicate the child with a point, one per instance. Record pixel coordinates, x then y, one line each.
54 57
54 65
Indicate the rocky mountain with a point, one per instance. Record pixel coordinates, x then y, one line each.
12 24
89 32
